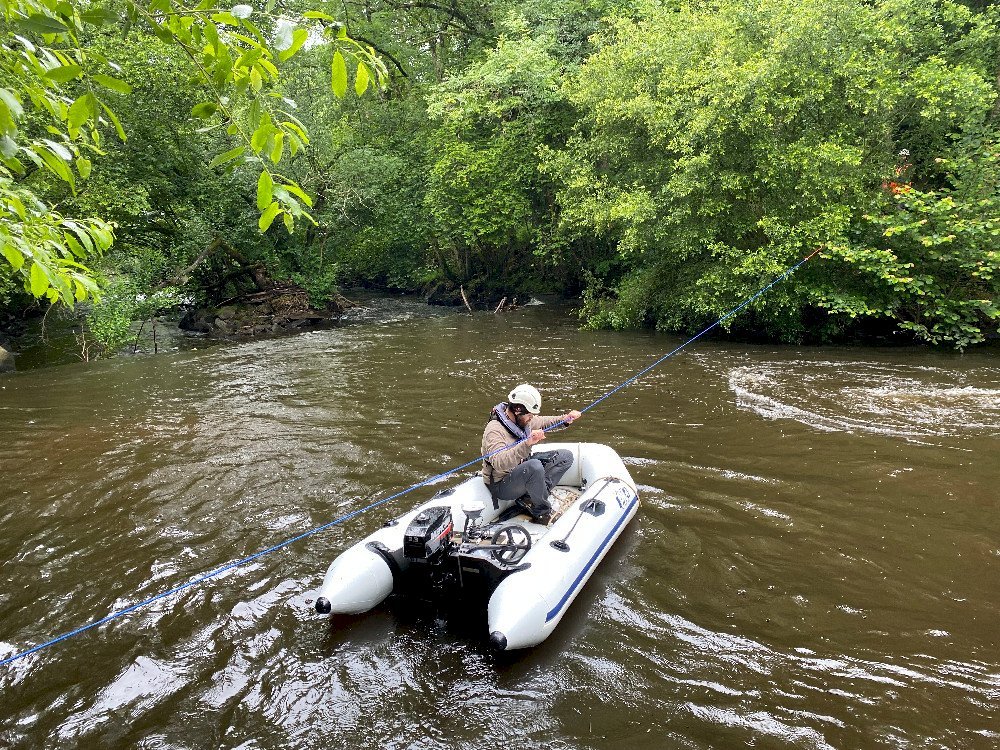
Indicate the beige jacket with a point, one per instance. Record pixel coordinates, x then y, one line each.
495 437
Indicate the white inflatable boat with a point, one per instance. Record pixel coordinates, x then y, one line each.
460 543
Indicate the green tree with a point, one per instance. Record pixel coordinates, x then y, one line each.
719 143
55 102
494 211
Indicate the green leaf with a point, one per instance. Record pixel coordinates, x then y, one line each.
212 35
114 119
226 18
261 39
204 110
227 157
259 138
162 33
17 206
338 75
74 246
268 67
267 217
112 83
14 256
318 15
80 111
38 280
84 236
55 164
15 166
58 149
102 237
299 37
223 68
250 57
40 24
361 79
300 193
63 73
279 146
6 97
296 127
83 167
8 146
265 190
98 16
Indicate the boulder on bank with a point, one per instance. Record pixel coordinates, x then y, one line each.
281 308
6 361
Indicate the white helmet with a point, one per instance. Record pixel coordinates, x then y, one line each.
527 396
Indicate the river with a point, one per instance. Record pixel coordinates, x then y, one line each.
815 563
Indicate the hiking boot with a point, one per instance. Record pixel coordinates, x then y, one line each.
524 503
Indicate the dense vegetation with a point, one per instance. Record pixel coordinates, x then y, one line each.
661 159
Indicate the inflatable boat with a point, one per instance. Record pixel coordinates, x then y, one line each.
461 544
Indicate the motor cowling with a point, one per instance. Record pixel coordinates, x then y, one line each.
429 533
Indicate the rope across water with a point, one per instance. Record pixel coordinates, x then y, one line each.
430 480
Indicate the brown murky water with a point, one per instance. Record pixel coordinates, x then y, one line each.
816 562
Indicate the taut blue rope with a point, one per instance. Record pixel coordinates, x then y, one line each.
788 272
348 516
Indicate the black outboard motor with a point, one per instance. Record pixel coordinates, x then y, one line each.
428 534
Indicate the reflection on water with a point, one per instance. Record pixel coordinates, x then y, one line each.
815 562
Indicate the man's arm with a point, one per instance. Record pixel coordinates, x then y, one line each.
504 462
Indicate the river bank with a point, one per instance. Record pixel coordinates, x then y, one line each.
52 341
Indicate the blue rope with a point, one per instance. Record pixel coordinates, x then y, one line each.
788 272
348 516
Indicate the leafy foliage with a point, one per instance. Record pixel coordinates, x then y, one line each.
718 144
55 102
934 268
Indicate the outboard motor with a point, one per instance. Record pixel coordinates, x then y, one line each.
429 534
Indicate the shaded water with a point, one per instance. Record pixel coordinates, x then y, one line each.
816 562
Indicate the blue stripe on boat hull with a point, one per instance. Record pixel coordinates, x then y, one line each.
590 563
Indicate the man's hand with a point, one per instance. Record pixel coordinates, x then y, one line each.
572 416
536 436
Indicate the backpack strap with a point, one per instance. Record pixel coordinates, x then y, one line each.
492 486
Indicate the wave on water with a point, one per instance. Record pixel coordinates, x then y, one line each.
892 399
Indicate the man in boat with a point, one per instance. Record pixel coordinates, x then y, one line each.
514 473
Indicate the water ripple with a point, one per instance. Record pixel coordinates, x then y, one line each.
904 400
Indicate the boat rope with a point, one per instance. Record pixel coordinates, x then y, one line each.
371 506
749 300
